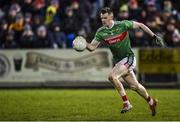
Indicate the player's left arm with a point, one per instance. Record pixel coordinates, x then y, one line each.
143 27
159 41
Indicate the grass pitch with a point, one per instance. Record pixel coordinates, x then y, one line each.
58 104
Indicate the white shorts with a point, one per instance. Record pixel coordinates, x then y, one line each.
129 62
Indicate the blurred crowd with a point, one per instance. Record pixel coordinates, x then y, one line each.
55 23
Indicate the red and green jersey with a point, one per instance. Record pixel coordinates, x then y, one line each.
117 38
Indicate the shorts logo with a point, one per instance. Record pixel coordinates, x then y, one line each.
4 65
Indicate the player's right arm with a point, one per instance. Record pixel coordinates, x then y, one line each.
96 41
93 45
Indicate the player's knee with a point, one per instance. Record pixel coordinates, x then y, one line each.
114 81
111 77
134 87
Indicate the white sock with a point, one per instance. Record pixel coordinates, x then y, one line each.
126 102
151 102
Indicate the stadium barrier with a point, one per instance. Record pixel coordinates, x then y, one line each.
68 68
54 68
159 67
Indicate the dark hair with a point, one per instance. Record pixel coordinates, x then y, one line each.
106 10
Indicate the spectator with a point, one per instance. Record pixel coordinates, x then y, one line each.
39 7
42 39
166 14
123 13
134 10
95 6
27 6
18 26
143 16
2 13
50 14
37 21
28 18
3 31
16 6
58 37
27 38
84 26
10 42
151 10
167 5
139 39
56 4
172 35
11 17
70 26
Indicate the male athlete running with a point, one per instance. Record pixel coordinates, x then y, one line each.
115 34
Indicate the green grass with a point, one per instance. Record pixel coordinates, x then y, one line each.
58 104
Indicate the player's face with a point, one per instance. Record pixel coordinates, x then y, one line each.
106 19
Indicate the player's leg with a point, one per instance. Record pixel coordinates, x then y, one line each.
135 85
117 72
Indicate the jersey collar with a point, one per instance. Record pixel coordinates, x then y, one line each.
111 26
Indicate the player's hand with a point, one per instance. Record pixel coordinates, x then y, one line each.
159 41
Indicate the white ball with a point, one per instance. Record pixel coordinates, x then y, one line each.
79 43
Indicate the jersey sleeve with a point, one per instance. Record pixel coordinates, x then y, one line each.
127 24
98 36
